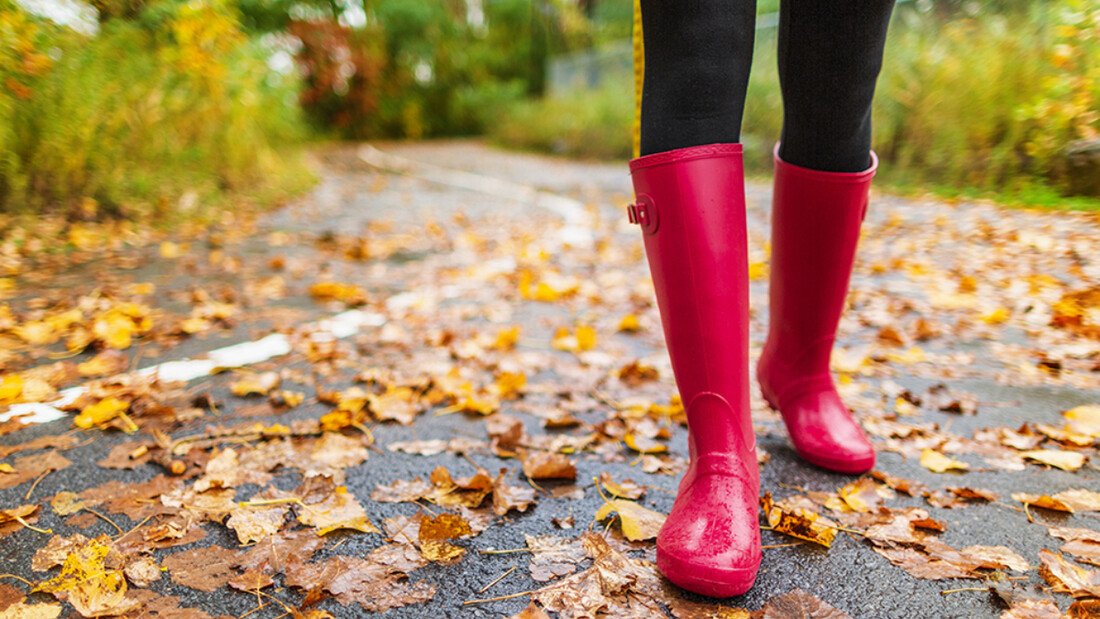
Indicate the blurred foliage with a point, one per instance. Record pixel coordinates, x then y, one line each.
421 68
586 124
168 111
971 99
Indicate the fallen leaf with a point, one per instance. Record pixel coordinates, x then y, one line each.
1066 577
548 465
340 510
798 522
798 604
1042 500
204 569
88 584
1065 460
637 522
553 556
938 463
997 557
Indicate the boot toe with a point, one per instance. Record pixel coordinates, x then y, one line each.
710 543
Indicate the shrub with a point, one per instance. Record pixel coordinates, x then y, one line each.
174 108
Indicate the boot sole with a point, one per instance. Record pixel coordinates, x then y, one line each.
706 579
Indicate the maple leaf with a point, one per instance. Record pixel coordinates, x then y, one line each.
638 523
88 583
352 580
797 604
255 523
271 554
553 556
1066 577
205 569
609 581
339 510
798 522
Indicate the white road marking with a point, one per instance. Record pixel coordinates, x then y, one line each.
344 324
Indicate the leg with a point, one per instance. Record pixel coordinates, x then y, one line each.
830 55
691 207
697 59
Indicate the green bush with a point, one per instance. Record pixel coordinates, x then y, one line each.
176 109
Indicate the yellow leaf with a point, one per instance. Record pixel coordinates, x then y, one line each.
169 249
997 316
88 584
255 384
638 523
510 384
629 323
101 412
798 522
1065 460
1084 419
643 444
349 294
938 463
6 468
506 338
586 337
758 270
11 388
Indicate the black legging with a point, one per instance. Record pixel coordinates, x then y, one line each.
698 54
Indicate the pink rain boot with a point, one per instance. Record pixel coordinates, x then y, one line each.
816 218
690 204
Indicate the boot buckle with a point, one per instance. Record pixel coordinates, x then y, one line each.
644 213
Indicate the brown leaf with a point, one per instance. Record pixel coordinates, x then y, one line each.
548 465
531 612
553 556
63 441
251 581
30 467
445 526
607 583
1066 577
1080 500
798 604
973 494
505 433
1026 602
205 569
686 609
996 558
1088 608
127 456
912 488
271 555
798 522
22 610
354 580
340 510
1042 500
254 523
10 595
507 498
402 491
142 572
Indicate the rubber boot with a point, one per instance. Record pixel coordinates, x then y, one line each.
690 204
816 218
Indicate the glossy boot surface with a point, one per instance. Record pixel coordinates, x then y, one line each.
690 204
816 217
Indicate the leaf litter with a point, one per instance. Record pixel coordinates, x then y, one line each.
206 469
